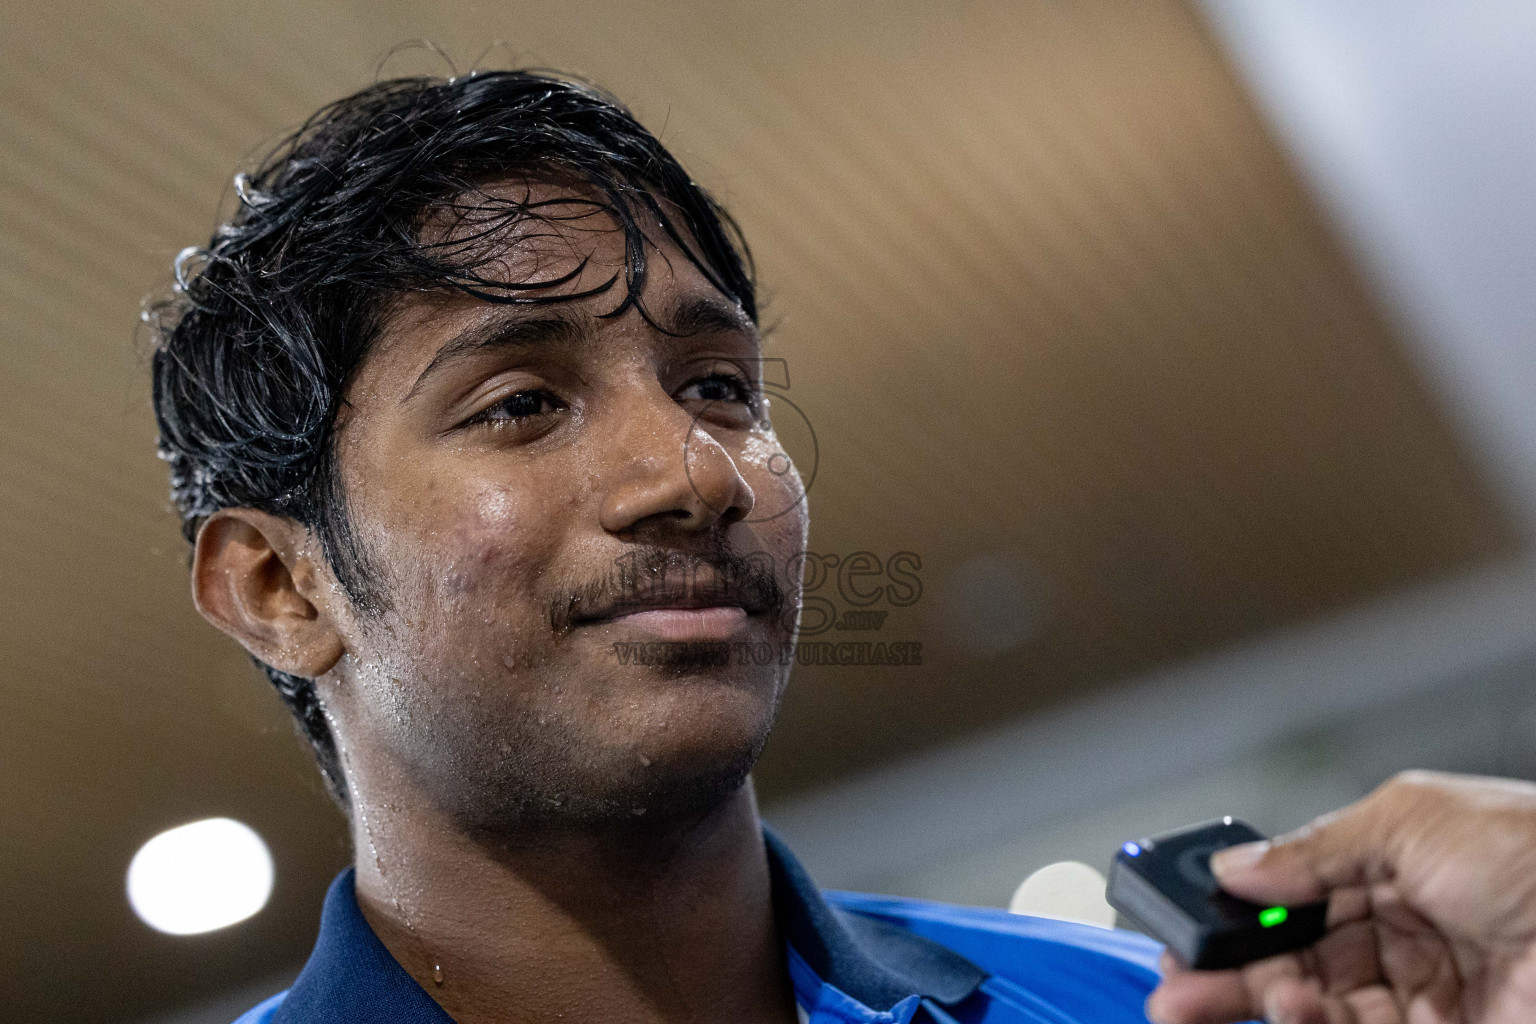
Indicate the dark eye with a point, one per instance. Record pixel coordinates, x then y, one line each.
720 387
518 406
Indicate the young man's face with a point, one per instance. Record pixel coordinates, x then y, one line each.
535 488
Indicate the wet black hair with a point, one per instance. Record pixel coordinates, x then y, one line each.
257 340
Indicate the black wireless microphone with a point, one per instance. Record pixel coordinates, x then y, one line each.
1166 886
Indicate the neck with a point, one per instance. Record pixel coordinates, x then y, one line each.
644 923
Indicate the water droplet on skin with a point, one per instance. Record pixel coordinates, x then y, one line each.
762 447
437 973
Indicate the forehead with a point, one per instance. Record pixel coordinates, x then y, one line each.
555 250
521 236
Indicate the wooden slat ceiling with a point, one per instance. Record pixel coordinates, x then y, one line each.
1050 297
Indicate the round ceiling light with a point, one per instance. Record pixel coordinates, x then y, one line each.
200 877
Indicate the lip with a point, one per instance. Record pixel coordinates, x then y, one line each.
712 623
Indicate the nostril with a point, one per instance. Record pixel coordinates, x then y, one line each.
733 515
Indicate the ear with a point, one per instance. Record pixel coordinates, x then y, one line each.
255 576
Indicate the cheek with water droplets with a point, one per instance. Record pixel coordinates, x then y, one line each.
497 540
762 448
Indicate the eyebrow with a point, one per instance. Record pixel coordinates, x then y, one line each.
506 331
697 314
702 314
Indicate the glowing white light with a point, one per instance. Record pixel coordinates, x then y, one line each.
199 877
1066 891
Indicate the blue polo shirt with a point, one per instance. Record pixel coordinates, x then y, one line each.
853 959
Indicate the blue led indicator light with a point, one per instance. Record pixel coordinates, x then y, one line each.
1131 850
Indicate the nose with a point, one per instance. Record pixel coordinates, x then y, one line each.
668 467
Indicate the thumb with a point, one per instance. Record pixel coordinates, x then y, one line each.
1304 866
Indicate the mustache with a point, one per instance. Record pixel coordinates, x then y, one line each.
649 576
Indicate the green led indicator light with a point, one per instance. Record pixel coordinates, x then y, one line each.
1272 916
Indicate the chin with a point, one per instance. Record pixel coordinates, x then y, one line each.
630 759
684 752
675 786
690 729
699 711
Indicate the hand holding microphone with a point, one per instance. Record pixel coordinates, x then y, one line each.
1431 890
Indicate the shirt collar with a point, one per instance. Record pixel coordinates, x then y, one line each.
874 962
351 977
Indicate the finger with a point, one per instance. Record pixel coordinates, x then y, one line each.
1351 903
1347 958
1200 997
1345 848
1417 961
1220 997
1212 997
1373 1004
1261 976
1302 1002
1296 1001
